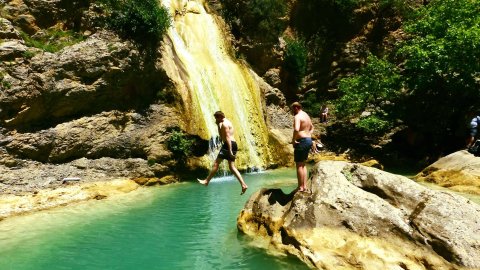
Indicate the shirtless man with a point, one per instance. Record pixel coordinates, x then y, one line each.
302 142
228 150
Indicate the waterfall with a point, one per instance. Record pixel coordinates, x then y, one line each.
208 79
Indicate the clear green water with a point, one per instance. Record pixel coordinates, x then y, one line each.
180 226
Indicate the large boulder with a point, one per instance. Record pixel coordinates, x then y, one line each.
359 217
459 171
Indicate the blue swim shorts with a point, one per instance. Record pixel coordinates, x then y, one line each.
301 149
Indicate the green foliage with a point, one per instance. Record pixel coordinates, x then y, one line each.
311 104
180 144
295 61
373 125
445 46
52 40
6 85
442 63
439 77
144 21
151 162
268 14
28 54
347 6
260 18
373 88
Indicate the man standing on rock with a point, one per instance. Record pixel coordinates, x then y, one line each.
302 142
228 150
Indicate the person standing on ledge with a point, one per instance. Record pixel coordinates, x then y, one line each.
302 142
474 117
228 151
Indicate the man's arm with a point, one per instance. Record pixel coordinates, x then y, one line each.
296 128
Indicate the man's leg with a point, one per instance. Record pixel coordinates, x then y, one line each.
233 169
305 175
301 175
212 172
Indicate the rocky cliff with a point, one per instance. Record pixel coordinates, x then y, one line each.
98 97
78 100
362 218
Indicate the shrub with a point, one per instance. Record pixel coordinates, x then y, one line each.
180 144
377 86
260 18
144 21
295 61
311 104
373 125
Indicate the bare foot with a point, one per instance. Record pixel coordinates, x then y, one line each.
203 182
244 189
304 190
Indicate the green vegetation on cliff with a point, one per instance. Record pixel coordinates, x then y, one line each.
430 80
145 21
51 40
295 61
375 89
180 144
262 19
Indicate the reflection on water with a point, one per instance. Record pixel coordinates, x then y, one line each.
180 226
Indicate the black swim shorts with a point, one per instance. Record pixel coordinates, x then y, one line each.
301 149
225 153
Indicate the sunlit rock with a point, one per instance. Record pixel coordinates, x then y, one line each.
114 134
11 204
364 218
459 171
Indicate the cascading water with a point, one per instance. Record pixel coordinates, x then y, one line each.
196 58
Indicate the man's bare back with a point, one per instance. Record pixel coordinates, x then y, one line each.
302 126
225 129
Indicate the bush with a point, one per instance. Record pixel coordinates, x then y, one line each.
311 104
295 61
144 21
377 85
180 144
260 18
373 125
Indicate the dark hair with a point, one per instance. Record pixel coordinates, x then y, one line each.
219 113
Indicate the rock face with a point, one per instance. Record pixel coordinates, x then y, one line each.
364 218
102 101
102 96
459 171
101 73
